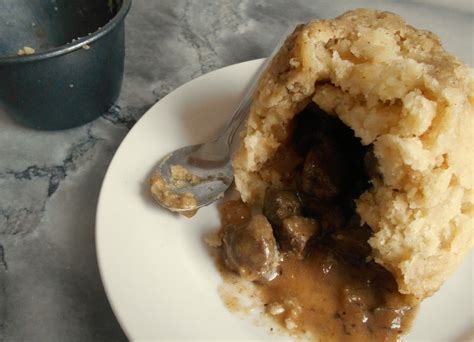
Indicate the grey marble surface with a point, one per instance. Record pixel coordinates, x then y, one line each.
50 288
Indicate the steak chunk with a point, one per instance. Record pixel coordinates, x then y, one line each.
251 250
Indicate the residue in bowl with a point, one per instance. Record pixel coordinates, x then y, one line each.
26 50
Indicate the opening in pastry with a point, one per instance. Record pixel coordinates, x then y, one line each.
306 249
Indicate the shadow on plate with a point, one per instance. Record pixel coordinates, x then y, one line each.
467 335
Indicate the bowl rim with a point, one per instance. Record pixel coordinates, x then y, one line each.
74 45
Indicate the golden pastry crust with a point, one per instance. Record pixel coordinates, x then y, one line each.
400 91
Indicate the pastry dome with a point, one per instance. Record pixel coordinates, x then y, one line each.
413 102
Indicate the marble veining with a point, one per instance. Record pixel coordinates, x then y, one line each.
50 288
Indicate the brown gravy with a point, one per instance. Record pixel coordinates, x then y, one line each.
326 295
336 301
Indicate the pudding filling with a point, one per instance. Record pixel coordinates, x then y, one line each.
306 249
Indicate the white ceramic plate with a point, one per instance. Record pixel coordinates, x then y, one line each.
157 273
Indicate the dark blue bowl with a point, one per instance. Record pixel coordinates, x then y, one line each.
76 72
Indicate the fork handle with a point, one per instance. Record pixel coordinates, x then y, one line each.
219 148
242 110
244 106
